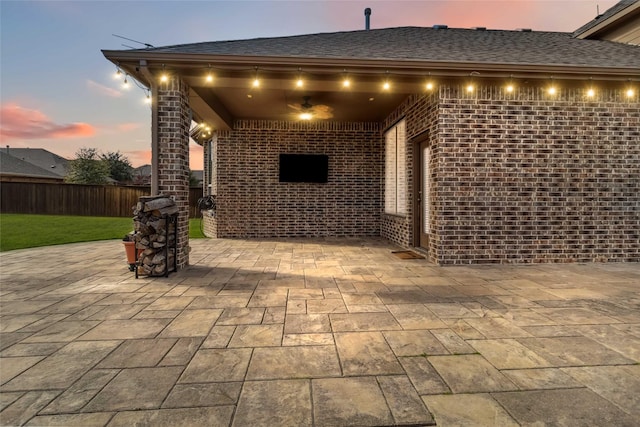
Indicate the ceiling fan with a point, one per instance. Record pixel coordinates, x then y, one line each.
308 111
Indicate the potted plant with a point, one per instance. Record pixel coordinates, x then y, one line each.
130 249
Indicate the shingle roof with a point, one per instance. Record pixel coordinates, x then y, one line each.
621 5
429 44
11 165
43 159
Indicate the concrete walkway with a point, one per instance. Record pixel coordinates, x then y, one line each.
314 332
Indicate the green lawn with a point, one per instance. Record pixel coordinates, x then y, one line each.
29 231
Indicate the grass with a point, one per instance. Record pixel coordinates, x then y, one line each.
19 231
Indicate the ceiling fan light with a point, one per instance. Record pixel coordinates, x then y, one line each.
306 115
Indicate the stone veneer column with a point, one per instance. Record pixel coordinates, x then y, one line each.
173 155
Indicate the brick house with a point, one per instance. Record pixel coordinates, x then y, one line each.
471 145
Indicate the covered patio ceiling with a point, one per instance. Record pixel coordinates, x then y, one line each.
230 95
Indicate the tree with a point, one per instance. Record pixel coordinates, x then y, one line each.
120 168
193 181
87 168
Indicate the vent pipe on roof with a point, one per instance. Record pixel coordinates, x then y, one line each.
367 18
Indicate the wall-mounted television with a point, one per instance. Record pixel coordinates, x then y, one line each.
304 167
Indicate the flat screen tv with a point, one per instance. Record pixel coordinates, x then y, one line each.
304 167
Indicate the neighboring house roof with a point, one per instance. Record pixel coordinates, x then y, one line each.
621 21
144 170
425 44
41 158
11 165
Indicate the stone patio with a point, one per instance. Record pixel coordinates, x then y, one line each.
322 332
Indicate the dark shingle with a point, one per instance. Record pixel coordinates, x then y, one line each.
620 6
10 165
429 44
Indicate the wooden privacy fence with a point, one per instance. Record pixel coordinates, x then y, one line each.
77 199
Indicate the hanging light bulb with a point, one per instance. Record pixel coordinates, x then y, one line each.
429 86
346 82
470 88
125 84
299 81
117 74
386 85
551 90
591 92
256 81
148 99
630 92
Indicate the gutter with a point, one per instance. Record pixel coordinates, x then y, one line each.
370 66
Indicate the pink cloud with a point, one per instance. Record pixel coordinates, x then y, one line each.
103 90
125 127
23 123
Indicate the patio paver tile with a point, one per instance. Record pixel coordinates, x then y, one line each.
81 392
404 402
468 410
95 419
354 322
293 362
125 329
470 374
206 394
217 365
192 323
137 388
63 367
180 417
366 353
274 403
349 401
137 353
572 407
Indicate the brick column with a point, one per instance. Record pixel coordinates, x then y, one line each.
173 154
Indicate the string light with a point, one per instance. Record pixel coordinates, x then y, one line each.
164 77
386 85
299 81
209 77
551 90
256 81
346 82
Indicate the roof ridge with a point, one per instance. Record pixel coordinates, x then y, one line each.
328 33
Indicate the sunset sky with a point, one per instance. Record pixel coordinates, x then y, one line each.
57 90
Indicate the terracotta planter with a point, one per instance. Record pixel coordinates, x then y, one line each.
130 249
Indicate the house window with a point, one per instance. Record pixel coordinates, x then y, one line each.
395 171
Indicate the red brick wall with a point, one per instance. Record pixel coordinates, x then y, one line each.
173 155
251 202
525 178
